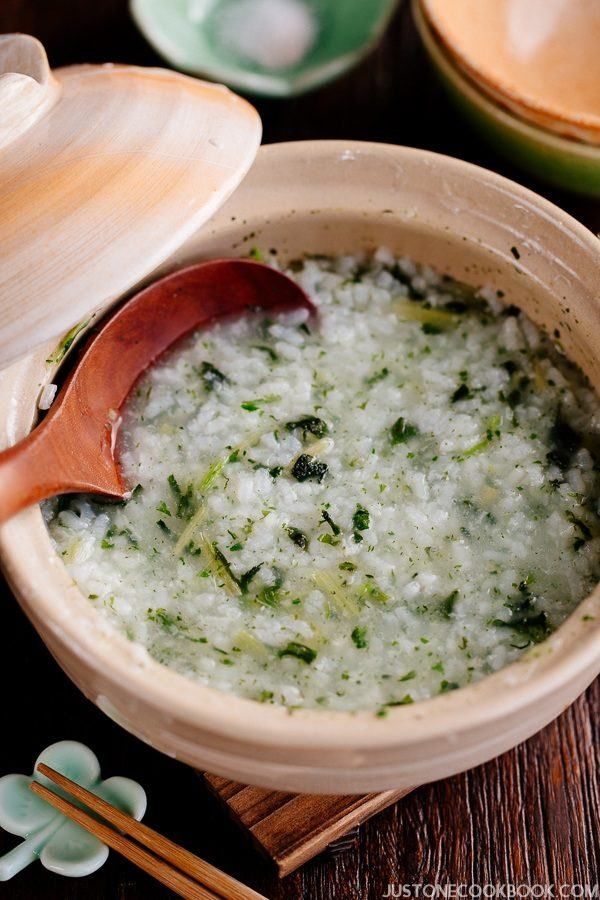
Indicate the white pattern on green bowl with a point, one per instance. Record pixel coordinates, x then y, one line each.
189 38
60 845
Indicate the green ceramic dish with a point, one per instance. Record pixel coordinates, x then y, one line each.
346 30
567 163
61 845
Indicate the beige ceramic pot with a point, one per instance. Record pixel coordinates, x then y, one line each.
328 197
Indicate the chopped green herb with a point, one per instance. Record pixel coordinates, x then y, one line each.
378 376
254 405
409 676
370 591
300 651
402 431
461 393
584 529
404 701
565 443
213 472
224 564
265 696
193 550
268 596
446 686
492 431
359 637
328 539
218 566
298 537
162 617
327 518
526 620
347 566
245 579
307 468
415 293
268 350
360 522
585 533
308 424
185 500
164 527
431 328
163 508
212 377
447 605
133 541
513 398
276 471
256 254
67 342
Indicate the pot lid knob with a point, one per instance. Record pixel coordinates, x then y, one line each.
27 88
104 172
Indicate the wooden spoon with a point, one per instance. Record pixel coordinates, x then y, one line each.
73 449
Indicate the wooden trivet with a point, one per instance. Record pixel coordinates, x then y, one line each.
293 828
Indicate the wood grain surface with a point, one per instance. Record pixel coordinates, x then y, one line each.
530 817
291 829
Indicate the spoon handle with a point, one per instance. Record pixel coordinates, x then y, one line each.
51 461
30 471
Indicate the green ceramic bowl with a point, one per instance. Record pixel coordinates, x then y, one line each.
560 161
345 31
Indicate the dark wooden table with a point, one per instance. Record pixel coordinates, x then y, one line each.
530 817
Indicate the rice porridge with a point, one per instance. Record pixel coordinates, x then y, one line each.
358 511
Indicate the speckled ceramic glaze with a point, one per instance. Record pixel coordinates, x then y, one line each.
329 197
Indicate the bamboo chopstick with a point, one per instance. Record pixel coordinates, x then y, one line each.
176 867
159 870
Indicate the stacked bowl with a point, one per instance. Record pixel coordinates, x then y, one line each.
526 73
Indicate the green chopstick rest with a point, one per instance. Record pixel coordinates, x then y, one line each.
61 845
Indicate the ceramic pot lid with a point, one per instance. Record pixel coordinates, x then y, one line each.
104 172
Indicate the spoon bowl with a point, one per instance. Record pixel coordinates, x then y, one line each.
73 449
